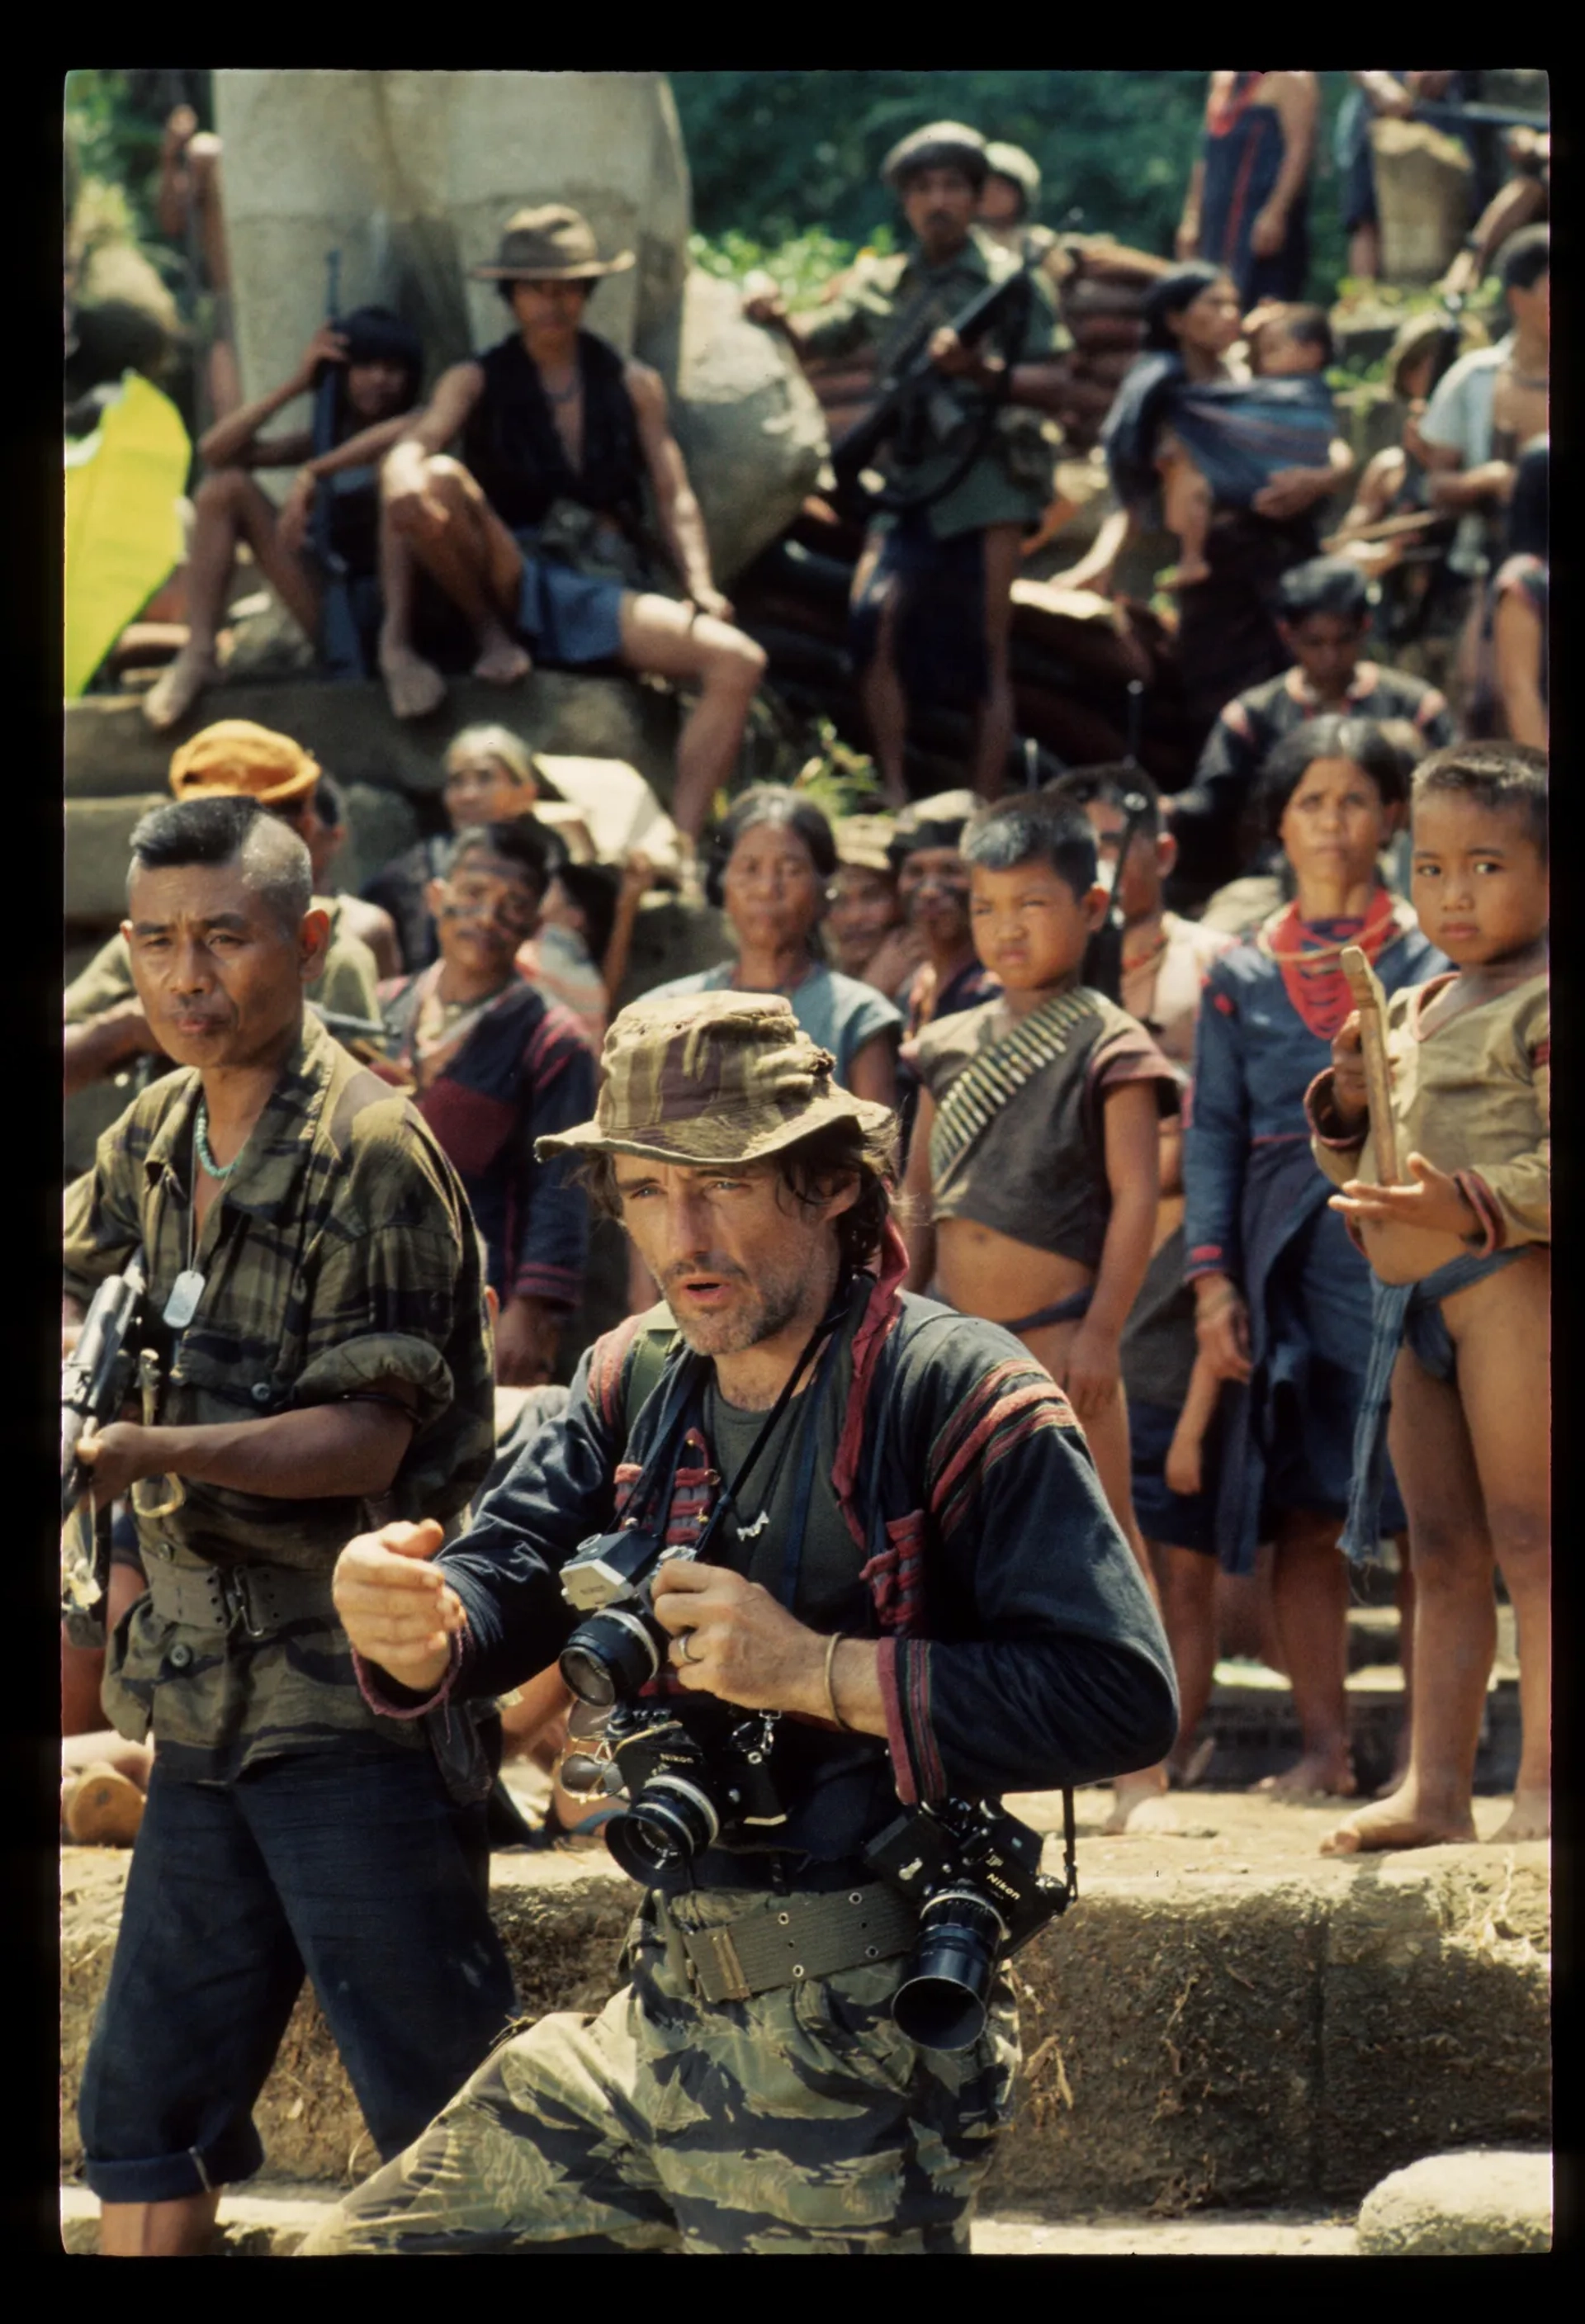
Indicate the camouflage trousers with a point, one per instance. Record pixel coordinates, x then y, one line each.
798 2121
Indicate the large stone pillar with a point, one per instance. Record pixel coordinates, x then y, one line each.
411 176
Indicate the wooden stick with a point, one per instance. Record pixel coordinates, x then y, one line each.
1371 1003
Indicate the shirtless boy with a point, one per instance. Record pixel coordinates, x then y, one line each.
1172 1392
1462 1253
1034 1168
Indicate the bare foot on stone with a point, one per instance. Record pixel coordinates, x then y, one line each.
1398 1821
412 687
502 660
1531 1816
173 694
1319 1775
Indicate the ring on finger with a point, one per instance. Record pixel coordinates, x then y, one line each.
686 1656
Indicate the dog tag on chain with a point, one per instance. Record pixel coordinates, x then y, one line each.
183 1303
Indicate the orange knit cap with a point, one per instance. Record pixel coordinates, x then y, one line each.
234 757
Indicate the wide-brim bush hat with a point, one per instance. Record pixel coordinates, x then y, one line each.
939 145
553 243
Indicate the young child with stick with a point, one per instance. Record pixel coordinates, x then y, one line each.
1460 1249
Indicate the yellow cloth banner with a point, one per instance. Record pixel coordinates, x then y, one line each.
122 534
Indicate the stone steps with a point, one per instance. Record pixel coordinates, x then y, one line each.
269 2221
1225 2018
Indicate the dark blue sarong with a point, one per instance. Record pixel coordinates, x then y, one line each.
1288 1433
1400 1313
567 616
938 632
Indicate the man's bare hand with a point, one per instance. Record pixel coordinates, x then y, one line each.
1222 1327
1291 490
1266 231
1094 1368
1185 241
711 601
291 526
1351 1097
397 1609
953 360
741 1645
766 306
118 1456
1434 1201
327 346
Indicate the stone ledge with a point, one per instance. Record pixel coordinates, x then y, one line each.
1198 2031
112 753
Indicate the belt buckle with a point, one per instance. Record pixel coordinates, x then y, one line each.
237 1599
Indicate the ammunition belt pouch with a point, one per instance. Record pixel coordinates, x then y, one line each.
255 1600
789 1939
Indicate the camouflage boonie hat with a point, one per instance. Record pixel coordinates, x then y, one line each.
712 1078
939 145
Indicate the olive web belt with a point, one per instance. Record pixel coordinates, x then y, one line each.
986 1084
790 1938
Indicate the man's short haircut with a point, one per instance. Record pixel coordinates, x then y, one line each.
1526 257
1360 739
229 830
1308 327
1324 584
328 806
1035 830
770 803
1505 778
497 743
807 1167
520 842
1110 784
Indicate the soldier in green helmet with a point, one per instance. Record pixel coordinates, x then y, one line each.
932 600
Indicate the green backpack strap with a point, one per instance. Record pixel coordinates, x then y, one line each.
652 1351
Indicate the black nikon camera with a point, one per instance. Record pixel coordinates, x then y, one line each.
974 1872
682 1793
610 1657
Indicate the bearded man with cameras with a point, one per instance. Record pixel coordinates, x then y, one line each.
829 1570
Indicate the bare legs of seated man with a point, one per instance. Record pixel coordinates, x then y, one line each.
227 507
457 538
880 688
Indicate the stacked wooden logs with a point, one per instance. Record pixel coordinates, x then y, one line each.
1073 656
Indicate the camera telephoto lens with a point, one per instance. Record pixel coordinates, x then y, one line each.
667 1826
609 1658
941 2001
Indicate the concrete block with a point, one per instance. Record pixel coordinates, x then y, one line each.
111 751
98 834
1476 2205
412 175
1192 2038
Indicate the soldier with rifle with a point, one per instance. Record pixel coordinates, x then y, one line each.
964 335
312 1305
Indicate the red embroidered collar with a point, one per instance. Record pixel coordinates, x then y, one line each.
1309 955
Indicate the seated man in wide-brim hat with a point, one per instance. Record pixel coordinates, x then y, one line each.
536 531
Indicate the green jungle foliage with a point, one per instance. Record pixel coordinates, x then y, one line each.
774 155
